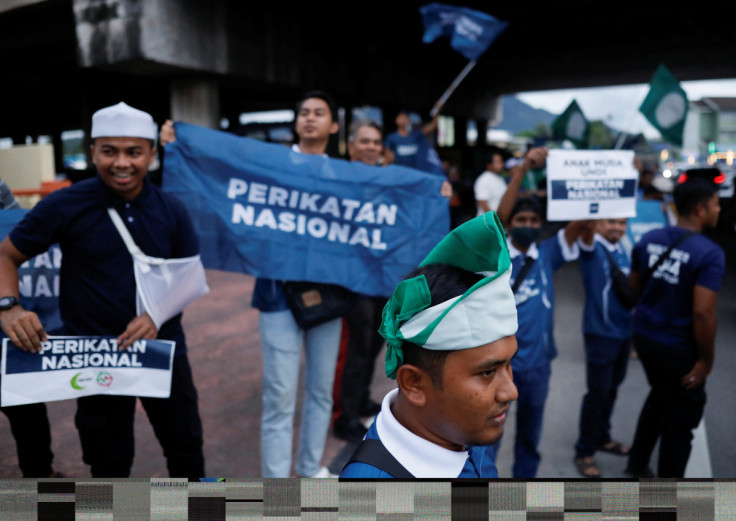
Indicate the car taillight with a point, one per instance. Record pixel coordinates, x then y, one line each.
720 179
682 178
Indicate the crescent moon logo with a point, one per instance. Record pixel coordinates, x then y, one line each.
75 385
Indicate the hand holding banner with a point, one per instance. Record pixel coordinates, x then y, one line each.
585 184
70 367
263 209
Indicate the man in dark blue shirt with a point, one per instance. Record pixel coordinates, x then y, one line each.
678 273
98 288
533 267
607 335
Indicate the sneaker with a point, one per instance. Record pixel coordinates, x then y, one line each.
324 473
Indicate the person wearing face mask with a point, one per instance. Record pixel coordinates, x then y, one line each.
533 265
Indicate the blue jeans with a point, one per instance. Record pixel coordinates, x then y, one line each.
606 360
281 340
533 387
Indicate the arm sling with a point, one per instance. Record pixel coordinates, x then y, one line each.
164 287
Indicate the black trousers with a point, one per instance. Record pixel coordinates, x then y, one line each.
670 412
364 344
105 425
30 427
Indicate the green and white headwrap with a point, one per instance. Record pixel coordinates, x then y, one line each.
483 314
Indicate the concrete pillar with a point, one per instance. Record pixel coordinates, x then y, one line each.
196 101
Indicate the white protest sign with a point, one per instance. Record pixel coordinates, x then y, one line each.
591 184
71 367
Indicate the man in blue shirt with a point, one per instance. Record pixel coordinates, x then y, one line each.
450 329
532 280
97 294
607 331
677 272
282 338
411 147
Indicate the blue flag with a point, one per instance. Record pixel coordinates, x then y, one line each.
266 210
38 277
471 32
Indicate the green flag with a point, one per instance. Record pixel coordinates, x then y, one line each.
572 125
666 105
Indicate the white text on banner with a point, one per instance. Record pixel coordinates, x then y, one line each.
71 367
591 184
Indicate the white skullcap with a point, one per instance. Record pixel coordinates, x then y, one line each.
122 120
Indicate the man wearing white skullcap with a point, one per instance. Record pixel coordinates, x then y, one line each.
98 288
450 329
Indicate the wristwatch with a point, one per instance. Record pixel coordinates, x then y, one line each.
8 302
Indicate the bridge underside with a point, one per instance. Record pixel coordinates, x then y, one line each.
63 59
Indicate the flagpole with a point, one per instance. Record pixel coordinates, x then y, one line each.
624 133
452 87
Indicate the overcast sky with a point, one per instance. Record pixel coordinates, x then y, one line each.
619 106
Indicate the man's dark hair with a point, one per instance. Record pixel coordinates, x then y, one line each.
691 193
319 94
526 204
445 282
495 151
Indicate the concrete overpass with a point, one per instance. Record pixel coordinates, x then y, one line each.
201 61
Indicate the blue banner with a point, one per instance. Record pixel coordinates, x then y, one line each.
266 210
649 216
60 353
38 277
72 367
471 32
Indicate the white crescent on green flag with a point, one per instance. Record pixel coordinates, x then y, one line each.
666 105
71 367
572 125
591 184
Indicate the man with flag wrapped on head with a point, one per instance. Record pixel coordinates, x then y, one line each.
450 331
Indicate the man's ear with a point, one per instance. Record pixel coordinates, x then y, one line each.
334 127
413 383
701 209
154 152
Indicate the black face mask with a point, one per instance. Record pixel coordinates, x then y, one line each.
524 236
